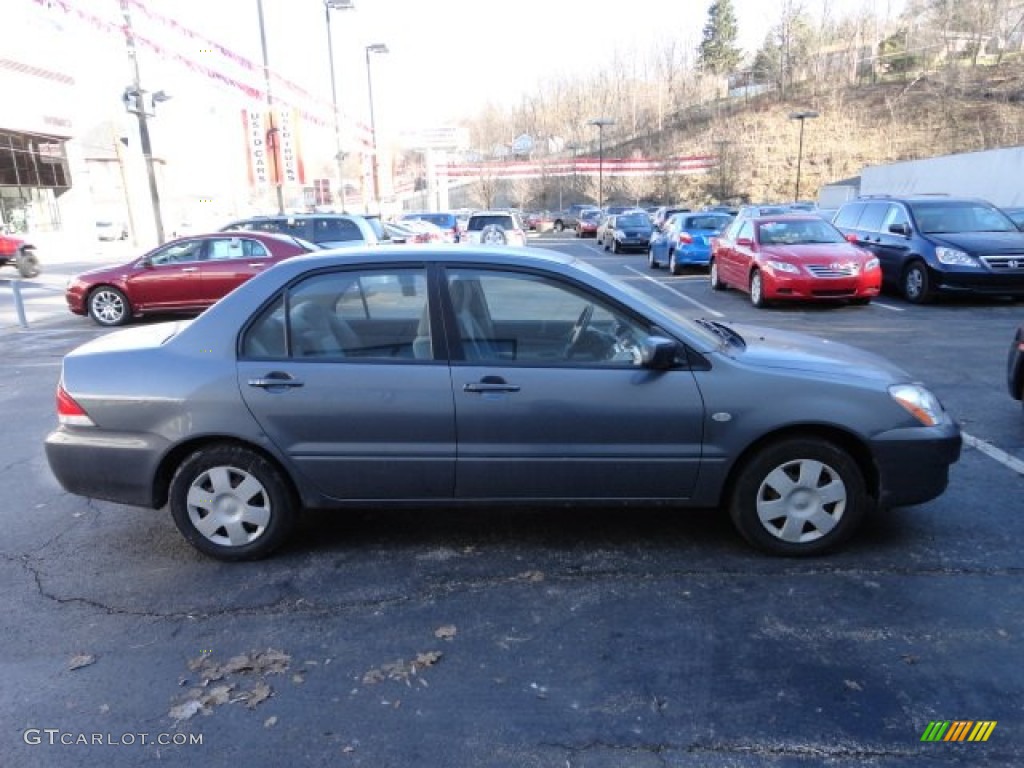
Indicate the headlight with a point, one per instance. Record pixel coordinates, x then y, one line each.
953 256
871 264
922 404
782 266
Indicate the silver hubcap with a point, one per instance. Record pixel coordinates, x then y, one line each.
107 307
915 282
494 237
801 501
755 288
714 273
228 506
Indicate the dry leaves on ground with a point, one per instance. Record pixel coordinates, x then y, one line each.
402 670
204 699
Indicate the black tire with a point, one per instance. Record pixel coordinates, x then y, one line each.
108 306
267 496
651 261
713 278
757 290
825 504
915 284
27 263
559 226
673 265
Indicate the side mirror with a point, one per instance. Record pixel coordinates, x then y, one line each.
744 241
851 238
900 229
146 262
658 353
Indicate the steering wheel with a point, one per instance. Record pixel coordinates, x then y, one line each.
576 334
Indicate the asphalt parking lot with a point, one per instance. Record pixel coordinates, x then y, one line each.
524 638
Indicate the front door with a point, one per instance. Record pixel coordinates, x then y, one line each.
551 401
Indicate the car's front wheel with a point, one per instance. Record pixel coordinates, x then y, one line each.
231 503
27 264
917 284
559 226
109 307
799 496
757 290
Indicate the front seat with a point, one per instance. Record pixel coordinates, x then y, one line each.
475 328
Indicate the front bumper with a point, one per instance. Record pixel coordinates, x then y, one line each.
978 281
780 285
114 466
913 463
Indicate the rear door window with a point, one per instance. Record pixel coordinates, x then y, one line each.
873 217
849 215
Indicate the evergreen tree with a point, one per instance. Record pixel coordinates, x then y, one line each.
718 54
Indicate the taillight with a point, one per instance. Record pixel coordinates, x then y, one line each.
69 412
685 238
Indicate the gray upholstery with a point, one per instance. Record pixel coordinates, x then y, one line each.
318 331
475 328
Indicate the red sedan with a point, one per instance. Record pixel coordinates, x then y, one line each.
184 275
792 258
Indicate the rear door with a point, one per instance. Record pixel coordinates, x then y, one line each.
363 412
229 262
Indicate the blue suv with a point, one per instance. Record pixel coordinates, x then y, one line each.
933 244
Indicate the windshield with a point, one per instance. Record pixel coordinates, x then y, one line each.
590 215
712 339
942 216
798 232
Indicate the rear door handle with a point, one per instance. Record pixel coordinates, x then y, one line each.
190 269
256 265
276 379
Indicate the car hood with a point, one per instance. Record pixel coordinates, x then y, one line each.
824 253
982 242
114 272
772 348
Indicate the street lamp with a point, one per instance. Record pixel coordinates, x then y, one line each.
374 48
802 117
600 122
339 156
272 133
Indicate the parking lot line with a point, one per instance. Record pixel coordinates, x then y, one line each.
696 303
1012 462
891 308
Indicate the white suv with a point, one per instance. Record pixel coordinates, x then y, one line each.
495 228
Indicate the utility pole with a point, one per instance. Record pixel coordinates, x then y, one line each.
140 113
339 155
275 157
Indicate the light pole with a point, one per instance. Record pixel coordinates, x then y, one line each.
802 116
600 122
272 132
374 48
134 101
721 144
339 155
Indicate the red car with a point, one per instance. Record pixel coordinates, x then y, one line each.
792 258
586 224
185 275
19 254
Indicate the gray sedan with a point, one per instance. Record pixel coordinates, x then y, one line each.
433 377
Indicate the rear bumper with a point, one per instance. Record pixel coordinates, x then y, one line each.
913 464
113 466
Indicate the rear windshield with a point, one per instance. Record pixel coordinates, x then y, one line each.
633 220
443 220
713 223
476 223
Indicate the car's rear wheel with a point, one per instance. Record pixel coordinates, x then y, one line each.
651 261
714 278
559 226
757 290
673 265
109 307
493 235
916 283
231 503
615 246
799 496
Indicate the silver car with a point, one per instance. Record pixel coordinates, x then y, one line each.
484 376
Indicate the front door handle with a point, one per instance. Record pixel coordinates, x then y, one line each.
490 384
190 269
276 379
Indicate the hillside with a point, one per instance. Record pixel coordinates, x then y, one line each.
952 110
